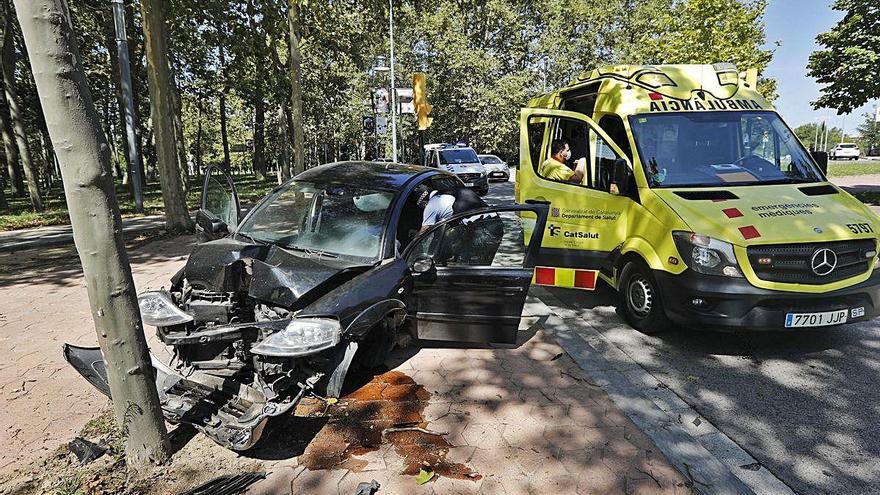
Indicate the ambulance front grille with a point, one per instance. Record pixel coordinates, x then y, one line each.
791 263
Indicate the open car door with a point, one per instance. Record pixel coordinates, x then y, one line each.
471 274
220 210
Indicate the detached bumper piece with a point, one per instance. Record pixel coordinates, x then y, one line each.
231 414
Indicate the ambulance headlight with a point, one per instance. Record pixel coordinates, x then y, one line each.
706 255
302 336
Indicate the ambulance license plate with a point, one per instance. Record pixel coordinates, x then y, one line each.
468 184
795 320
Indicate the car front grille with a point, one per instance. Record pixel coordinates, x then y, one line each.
792 263
469 177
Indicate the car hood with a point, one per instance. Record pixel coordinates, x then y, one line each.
769 214
271 274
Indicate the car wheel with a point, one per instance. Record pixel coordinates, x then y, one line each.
640 299
374 350
483 192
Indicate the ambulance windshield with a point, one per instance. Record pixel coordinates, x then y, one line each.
696 149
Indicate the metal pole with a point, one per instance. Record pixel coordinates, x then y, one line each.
393 86
825 143
134 160
816 138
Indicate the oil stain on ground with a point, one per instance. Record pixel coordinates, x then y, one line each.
356 423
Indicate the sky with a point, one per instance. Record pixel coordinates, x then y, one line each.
795 23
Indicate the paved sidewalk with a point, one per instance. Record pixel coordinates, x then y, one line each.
43 304
59 235
516 420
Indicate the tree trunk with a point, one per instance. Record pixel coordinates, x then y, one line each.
97 227
284 119
198 151
224 137
7 66
259 135
162 90
182 164
296 95
12 162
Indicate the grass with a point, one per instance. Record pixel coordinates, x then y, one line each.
858 167
21 216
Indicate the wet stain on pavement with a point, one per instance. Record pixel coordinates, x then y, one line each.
355 427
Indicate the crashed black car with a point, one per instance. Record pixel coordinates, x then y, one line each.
324 273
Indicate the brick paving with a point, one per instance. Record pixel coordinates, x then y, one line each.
43 304
526 417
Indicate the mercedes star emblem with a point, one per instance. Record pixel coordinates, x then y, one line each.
823 262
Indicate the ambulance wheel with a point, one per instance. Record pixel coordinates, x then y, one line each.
640 299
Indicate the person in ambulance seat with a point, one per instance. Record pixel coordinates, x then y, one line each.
473 241
555 168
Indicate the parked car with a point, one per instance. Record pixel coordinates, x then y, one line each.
322 274
495 167
461 161
846 151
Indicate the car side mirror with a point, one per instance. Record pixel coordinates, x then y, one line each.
423 264
622 177
821 159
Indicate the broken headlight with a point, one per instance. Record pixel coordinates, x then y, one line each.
704 254
300 337
159 310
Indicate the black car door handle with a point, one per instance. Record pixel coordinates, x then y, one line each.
480 285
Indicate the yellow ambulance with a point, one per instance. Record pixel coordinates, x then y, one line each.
682 188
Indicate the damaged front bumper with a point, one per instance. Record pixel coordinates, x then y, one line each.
230 413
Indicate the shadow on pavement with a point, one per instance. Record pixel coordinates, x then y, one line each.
803 403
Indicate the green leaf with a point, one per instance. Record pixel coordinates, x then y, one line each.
424 476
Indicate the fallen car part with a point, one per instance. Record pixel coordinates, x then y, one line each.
231 414
228 484
86 451
365 488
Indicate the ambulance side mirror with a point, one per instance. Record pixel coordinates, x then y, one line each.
622 177
821 159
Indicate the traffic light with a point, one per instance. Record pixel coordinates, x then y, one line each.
420 100
369 124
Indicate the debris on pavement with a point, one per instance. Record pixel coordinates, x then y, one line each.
229 484
424 476
365 488
86 451
387 408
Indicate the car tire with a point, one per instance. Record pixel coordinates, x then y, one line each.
374 350
483 192
640 299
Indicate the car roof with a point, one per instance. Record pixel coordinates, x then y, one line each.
381 175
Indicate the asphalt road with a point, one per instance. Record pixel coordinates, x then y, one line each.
805 404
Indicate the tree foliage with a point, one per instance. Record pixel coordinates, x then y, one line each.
484 60
849 58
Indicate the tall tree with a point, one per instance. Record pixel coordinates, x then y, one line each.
162 103
847 63
16 118
12 163
294 23
869 134
75 128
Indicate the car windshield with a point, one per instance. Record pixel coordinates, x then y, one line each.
696 149
453 157
491 159
330 219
